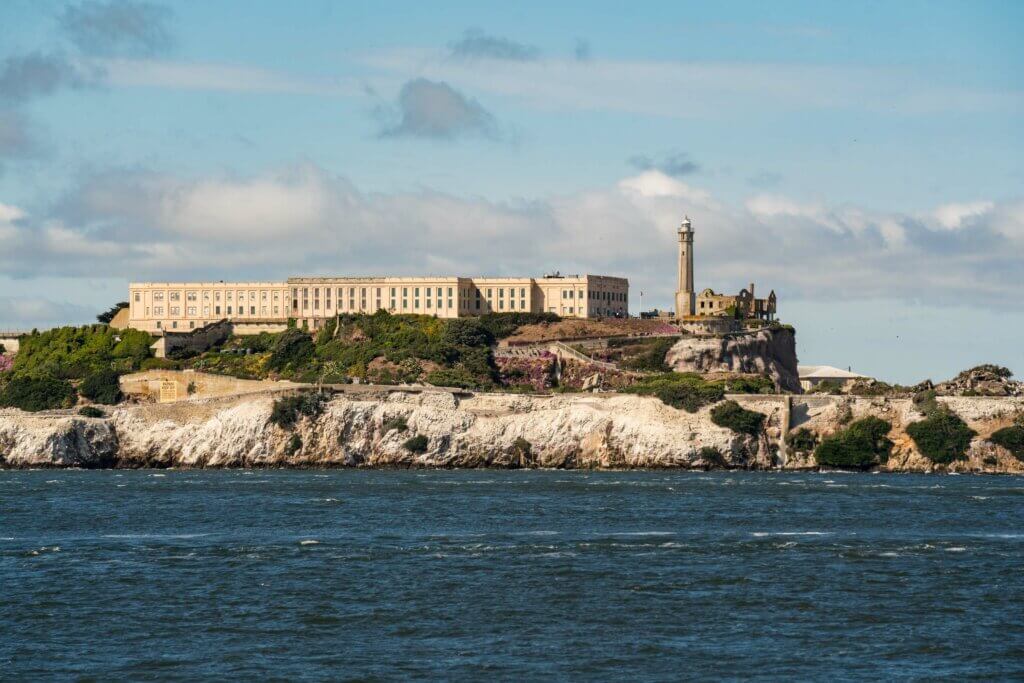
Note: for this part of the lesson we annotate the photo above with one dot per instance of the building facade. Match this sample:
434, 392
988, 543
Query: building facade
257, 306
743, 305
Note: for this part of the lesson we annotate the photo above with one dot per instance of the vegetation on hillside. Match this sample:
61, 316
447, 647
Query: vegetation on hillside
942, 436
732, 415
651, 356
862, 445
690, 391
42, 372
1011, 438
288, 410
37, 393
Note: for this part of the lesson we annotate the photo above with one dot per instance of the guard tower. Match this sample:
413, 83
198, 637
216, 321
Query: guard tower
685, 298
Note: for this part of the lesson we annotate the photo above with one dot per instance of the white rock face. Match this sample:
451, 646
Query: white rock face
485, 430
768, 351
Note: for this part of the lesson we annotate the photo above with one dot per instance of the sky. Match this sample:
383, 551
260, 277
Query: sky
864, 160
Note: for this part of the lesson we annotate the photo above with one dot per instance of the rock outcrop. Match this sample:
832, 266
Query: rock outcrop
769, 351
486, 430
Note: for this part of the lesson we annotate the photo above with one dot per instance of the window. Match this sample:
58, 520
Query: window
501, 305
378, 294
191, 310
175, 296
158, 310
276, 296
206, 296
488, 293
216, 310
158, 325
191, 296
416, 292
229, 310
174, 324
276, 310
522, 305
351, 304
216, 296
158, 296
351, 291
449, 292
405, 303
175, 310
191, 324
522, 292
417, 302
501, 292
392, 301
512, 304
263, 295
449, 303
228, 296
405, 292
137, 297
392, 291
428, 302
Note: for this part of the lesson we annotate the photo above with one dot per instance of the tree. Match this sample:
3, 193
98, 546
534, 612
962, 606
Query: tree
108, 315
101, 386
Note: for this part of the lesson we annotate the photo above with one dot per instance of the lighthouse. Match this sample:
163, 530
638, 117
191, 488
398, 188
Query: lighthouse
685, 300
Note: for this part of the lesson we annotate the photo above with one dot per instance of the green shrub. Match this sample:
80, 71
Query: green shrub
416, 444
91, 411
827, 386
942, 437
468, 332
75, 352
457, 377
37, 393
159, 364
293, 350
288, 410
862, 445
101, 386
396, 423
652, 359
680, 390
712, 455
802, 440
761, 384
503, 325
1010, 438
732, 415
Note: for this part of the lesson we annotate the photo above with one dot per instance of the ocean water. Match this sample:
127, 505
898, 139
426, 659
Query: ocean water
470, 575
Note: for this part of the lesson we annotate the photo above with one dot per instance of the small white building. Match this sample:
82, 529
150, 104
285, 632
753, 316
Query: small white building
813, 375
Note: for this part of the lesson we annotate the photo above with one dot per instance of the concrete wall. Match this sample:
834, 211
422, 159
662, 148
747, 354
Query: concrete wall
169, 386
12, 344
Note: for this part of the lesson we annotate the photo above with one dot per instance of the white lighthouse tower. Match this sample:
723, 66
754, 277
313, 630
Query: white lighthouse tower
685, 298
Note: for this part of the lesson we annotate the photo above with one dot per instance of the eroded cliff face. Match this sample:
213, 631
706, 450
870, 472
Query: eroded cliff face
768, 351
562, 431
484, 430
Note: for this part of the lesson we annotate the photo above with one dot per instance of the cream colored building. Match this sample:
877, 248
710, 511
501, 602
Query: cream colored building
258, 306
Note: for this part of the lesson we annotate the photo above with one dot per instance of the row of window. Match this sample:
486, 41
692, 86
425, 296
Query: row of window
193, 311
216, 296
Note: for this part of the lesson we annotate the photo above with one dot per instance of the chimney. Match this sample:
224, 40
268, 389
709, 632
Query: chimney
751, 290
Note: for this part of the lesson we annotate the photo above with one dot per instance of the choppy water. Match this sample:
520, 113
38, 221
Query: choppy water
509, 575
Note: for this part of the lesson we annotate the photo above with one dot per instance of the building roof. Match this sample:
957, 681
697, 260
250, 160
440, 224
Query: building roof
825, 372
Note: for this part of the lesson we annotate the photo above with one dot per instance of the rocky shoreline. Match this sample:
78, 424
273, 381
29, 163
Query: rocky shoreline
584, 431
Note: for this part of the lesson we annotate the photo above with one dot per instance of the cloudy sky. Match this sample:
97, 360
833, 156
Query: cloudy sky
862, 159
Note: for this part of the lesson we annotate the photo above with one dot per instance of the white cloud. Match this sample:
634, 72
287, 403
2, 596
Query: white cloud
952, 216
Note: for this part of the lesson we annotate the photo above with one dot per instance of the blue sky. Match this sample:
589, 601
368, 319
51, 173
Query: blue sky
863, 159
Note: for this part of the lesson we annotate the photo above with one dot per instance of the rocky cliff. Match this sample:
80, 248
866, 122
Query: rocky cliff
485, 430
767, 351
